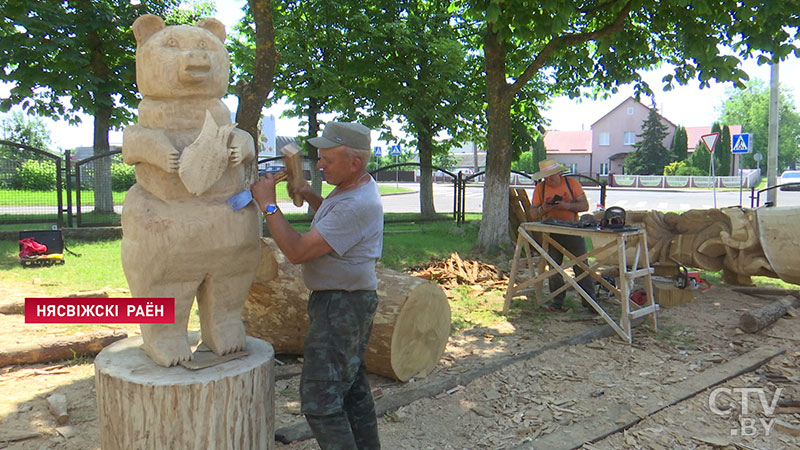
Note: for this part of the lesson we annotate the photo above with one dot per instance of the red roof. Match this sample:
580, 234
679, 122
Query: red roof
693, 134
568, 141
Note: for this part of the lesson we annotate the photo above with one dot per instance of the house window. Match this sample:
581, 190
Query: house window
630, 138
604, 138
572, 168
603, 168
630, 110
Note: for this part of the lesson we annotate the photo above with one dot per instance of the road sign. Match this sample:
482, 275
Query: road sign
740, 143
378, 151
710, 140
396, 150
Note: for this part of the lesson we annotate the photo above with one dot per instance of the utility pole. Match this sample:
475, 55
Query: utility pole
772, 138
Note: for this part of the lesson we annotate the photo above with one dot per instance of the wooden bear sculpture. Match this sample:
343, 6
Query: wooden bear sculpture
180, 237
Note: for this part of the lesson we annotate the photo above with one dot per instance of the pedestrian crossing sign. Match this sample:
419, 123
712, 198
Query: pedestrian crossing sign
740, 143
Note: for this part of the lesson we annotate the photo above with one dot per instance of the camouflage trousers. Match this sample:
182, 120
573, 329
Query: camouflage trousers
334, 392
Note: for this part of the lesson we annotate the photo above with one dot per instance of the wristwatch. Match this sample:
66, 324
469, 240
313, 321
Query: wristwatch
270, 209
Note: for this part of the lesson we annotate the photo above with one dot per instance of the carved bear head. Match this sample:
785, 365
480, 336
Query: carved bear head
181, 60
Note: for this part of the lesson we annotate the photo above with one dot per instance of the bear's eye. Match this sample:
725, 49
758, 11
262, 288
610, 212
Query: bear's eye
202, 44
172, 42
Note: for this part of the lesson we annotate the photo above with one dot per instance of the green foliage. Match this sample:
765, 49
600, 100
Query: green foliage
445, 160
76, 49
701, 158
650, 155
123, 176
524, 163
22, 129
36, 175
750, 108
681, 168
680, 144
722, 153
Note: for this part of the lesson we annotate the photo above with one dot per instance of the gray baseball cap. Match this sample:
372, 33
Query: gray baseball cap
350, 134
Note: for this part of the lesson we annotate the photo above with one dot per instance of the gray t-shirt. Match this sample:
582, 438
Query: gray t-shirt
352, 224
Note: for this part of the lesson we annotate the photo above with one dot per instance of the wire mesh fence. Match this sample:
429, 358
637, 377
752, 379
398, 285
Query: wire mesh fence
37, 187
30, 181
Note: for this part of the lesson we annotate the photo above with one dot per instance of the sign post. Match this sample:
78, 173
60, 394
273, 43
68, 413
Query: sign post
709, 140
740, 143
396, 153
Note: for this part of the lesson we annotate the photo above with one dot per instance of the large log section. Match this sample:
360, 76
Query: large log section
143, 406
409, 333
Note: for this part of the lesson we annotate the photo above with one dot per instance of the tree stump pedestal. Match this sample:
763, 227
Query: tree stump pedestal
143, 406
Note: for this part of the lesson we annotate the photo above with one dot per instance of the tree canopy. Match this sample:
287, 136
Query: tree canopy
561, 47
750, 108
23, 129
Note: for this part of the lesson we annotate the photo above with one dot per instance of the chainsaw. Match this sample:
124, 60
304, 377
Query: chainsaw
685, 279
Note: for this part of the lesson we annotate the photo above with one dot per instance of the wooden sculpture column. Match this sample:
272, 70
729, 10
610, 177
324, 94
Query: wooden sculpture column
144, 406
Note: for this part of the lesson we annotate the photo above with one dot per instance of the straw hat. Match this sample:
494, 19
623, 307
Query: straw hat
548, 167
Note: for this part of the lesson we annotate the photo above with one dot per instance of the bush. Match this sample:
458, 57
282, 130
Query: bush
35, 175
681, 168
123, 177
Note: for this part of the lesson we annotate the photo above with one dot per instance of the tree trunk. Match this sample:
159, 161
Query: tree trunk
409, 333
425, 148
103, 103
754, 321
253, 94
493, 234
311, 151
103, 198
144, 406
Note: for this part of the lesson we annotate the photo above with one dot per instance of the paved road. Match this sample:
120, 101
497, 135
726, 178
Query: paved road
639, 199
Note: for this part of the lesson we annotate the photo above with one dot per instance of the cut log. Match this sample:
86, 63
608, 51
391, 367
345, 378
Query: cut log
141, 405
409, 333
753, 321
57, 404
59, 349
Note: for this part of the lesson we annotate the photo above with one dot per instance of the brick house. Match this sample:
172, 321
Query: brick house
602, 150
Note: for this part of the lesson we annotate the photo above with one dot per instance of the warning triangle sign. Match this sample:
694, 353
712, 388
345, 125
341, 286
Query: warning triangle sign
740, 145
710, 140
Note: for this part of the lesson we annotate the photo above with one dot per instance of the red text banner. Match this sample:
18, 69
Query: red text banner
99, 310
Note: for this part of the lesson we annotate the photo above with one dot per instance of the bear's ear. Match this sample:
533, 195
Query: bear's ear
146, 26
214, 26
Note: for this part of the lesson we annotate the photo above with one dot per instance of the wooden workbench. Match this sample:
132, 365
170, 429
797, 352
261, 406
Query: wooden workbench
630, 247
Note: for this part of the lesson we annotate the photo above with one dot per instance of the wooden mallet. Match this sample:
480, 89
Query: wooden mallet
294, 168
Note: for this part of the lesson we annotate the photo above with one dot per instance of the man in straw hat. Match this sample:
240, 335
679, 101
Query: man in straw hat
561, 198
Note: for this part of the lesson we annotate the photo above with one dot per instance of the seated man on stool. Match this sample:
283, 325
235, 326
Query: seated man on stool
561, 198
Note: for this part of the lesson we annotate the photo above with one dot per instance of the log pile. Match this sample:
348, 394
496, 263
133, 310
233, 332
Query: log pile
454, 271
409, 333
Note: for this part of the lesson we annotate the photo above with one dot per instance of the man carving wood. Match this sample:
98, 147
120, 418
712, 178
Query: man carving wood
338, 255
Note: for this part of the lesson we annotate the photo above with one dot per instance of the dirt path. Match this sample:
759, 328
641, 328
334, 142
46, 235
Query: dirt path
561, 392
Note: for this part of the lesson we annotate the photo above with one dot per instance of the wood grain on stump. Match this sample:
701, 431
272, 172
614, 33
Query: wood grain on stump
143, 406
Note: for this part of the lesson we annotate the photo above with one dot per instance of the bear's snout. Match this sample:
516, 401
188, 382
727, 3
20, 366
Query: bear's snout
195, 67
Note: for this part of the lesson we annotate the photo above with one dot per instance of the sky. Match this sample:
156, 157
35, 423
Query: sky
685, 105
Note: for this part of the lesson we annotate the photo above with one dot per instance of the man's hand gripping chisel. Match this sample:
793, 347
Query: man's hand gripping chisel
242, 199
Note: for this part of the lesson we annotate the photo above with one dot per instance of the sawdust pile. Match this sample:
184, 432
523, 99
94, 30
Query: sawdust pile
455, 271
